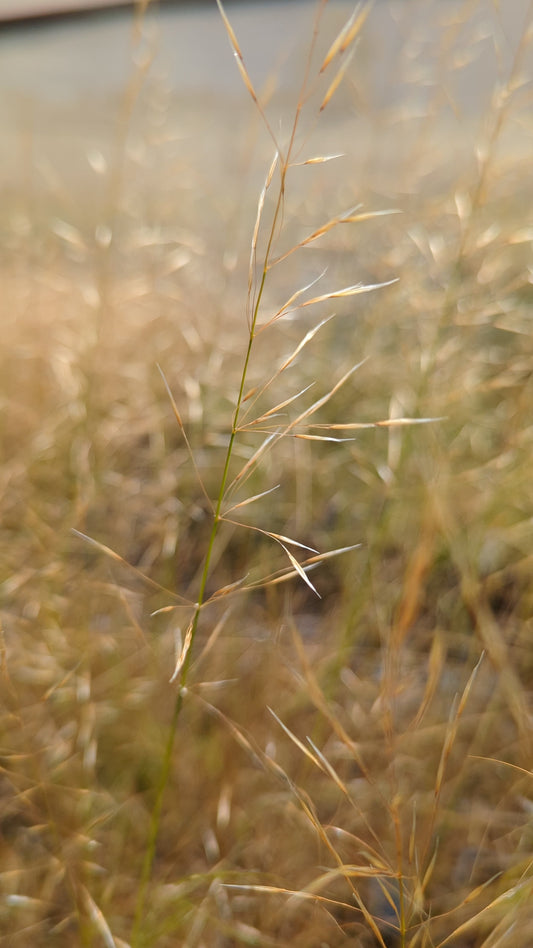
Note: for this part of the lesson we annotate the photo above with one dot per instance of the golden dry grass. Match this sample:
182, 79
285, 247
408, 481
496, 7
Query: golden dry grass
349, 769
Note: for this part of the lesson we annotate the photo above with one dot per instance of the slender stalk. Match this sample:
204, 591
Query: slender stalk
155, 818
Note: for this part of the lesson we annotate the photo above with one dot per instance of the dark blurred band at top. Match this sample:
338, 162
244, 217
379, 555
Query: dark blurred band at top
31, 11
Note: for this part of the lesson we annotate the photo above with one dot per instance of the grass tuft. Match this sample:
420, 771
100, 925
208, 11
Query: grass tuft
265, 512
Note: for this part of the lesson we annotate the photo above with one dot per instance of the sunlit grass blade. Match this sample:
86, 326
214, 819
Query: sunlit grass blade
328, 768
347, 217
384, 423
132, 569
317, 160
328, 438
251, 463
183, 652
355, 290
212, 638
504, 763
347, 35
299, 744
229, 589
288, 305
515, 894
323, 400
334, 85
301, 571
350, 217
256, 230
278, 537
257, 392
249, 500
97, 917
239, 59
275, 411
296, 894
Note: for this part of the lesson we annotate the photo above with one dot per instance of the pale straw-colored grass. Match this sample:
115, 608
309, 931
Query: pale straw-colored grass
266, 642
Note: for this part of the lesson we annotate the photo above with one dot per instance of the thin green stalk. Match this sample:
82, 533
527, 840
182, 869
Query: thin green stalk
155, 818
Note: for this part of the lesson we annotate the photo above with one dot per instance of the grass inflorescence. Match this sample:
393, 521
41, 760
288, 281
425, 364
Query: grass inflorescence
266, 509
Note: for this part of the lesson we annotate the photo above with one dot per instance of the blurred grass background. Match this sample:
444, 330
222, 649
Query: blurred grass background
124, 242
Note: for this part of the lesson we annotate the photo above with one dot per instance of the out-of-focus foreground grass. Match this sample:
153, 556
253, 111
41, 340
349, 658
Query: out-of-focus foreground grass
387, 801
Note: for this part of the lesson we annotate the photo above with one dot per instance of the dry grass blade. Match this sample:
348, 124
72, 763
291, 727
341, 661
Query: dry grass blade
239, 59
476, 892
290, 359
301, 746
278, 537
98, 920
329, 769
317, 697
494, 643
456, 713
133, 569
386, 423
275, 411
213, 638
363, 846
282, 576
287, 306
347, 217
296, 894
253, 253
323, 400
329, 554
391, 903
516, 894
430, 868
347, 35
164, 610
334, 85
230, 31
355, 28
468, 687
369, 215
247, 743
328, 438
275, 579
291, 542
347, 291
244, 76
184, 651
249, 500
309, 811
301, 571
418, 567
437, 657
252, 462
350, 871
317, 160
304, 895
229, 589
255, 234
504, 763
